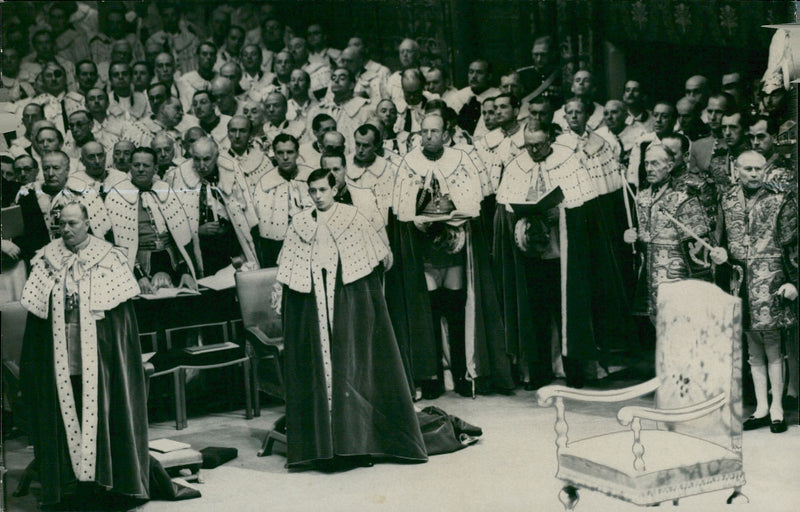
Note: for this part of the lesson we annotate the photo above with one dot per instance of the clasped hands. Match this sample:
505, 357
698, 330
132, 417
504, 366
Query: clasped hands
162, 280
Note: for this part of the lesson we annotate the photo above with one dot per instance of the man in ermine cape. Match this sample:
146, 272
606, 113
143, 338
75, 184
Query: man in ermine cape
442, 269
347, 398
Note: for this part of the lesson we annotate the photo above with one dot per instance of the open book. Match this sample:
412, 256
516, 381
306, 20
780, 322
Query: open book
168, 293
549, 200
222, 280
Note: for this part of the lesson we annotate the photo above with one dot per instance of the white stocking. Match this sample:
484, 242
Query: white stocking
759, 374
775, 369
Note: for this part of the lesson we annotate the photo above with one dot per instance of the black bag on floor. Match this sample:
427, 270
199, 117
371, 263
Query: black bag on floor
445, 433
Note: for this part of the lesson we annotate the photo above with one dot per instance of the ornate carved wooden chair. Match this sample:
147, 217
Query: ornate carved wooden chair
693, 440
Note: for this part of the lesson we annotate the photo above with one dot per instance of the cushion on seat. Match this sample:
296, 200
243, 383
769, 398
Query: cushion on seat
676, 465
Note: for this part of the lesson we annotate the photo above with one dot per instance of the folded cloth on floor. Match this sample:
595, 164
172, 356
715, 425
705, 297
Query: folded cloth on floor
445, 433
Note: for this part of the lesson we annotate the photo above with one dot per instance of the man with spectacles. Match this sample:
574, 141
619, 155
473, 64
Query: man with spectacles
526, 255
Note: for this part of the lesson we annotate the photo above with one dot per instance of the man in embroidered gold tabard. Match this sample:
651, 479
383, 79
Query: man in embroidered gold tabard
81, 370
759, 225
670, 252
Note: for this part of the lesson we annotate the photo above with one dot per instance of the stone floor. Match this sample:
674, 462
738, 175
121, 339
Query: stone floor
511, 468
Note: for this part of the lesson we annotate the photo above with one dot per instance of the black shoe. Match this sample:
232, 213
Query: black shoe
753, 423
432, 389
464, 388
778, 426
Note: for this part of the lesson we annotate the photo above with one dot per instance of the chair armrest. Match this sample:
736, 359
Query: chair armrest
547, 394
626, 415
254, 334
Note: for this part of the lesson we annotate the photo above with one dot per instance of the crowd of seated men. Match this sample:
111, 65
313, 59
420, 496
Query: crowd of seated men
190, 147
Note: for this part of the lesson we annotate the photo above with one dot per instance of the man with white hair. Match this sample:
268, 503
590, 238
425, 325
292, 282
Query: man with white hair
41, 204
408, 52
275, 107
759, 226
96, 175
217, 202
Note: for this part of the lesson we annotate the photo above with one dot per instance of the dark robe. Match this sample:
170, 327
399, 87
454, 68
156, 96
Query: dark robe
122, 463
409, 304
598, 320
530, 295
372, 411
36, 235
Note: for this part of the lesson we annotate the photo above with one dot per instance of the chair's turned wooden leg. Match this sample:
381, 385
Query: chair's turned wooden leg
181, 389
266, 445
248, 396
254, 387
737, 497
569, 497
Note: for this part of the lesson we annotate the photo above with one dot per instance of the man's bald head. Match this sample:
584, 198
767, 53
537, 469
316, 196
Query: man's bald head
409, 53
352, 58
221, 86
93, 157
697, 88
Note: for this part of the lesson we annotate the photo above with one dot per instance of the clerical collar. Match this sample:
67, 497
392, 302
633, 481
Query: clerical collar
78, 247
433, 155
117, 96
